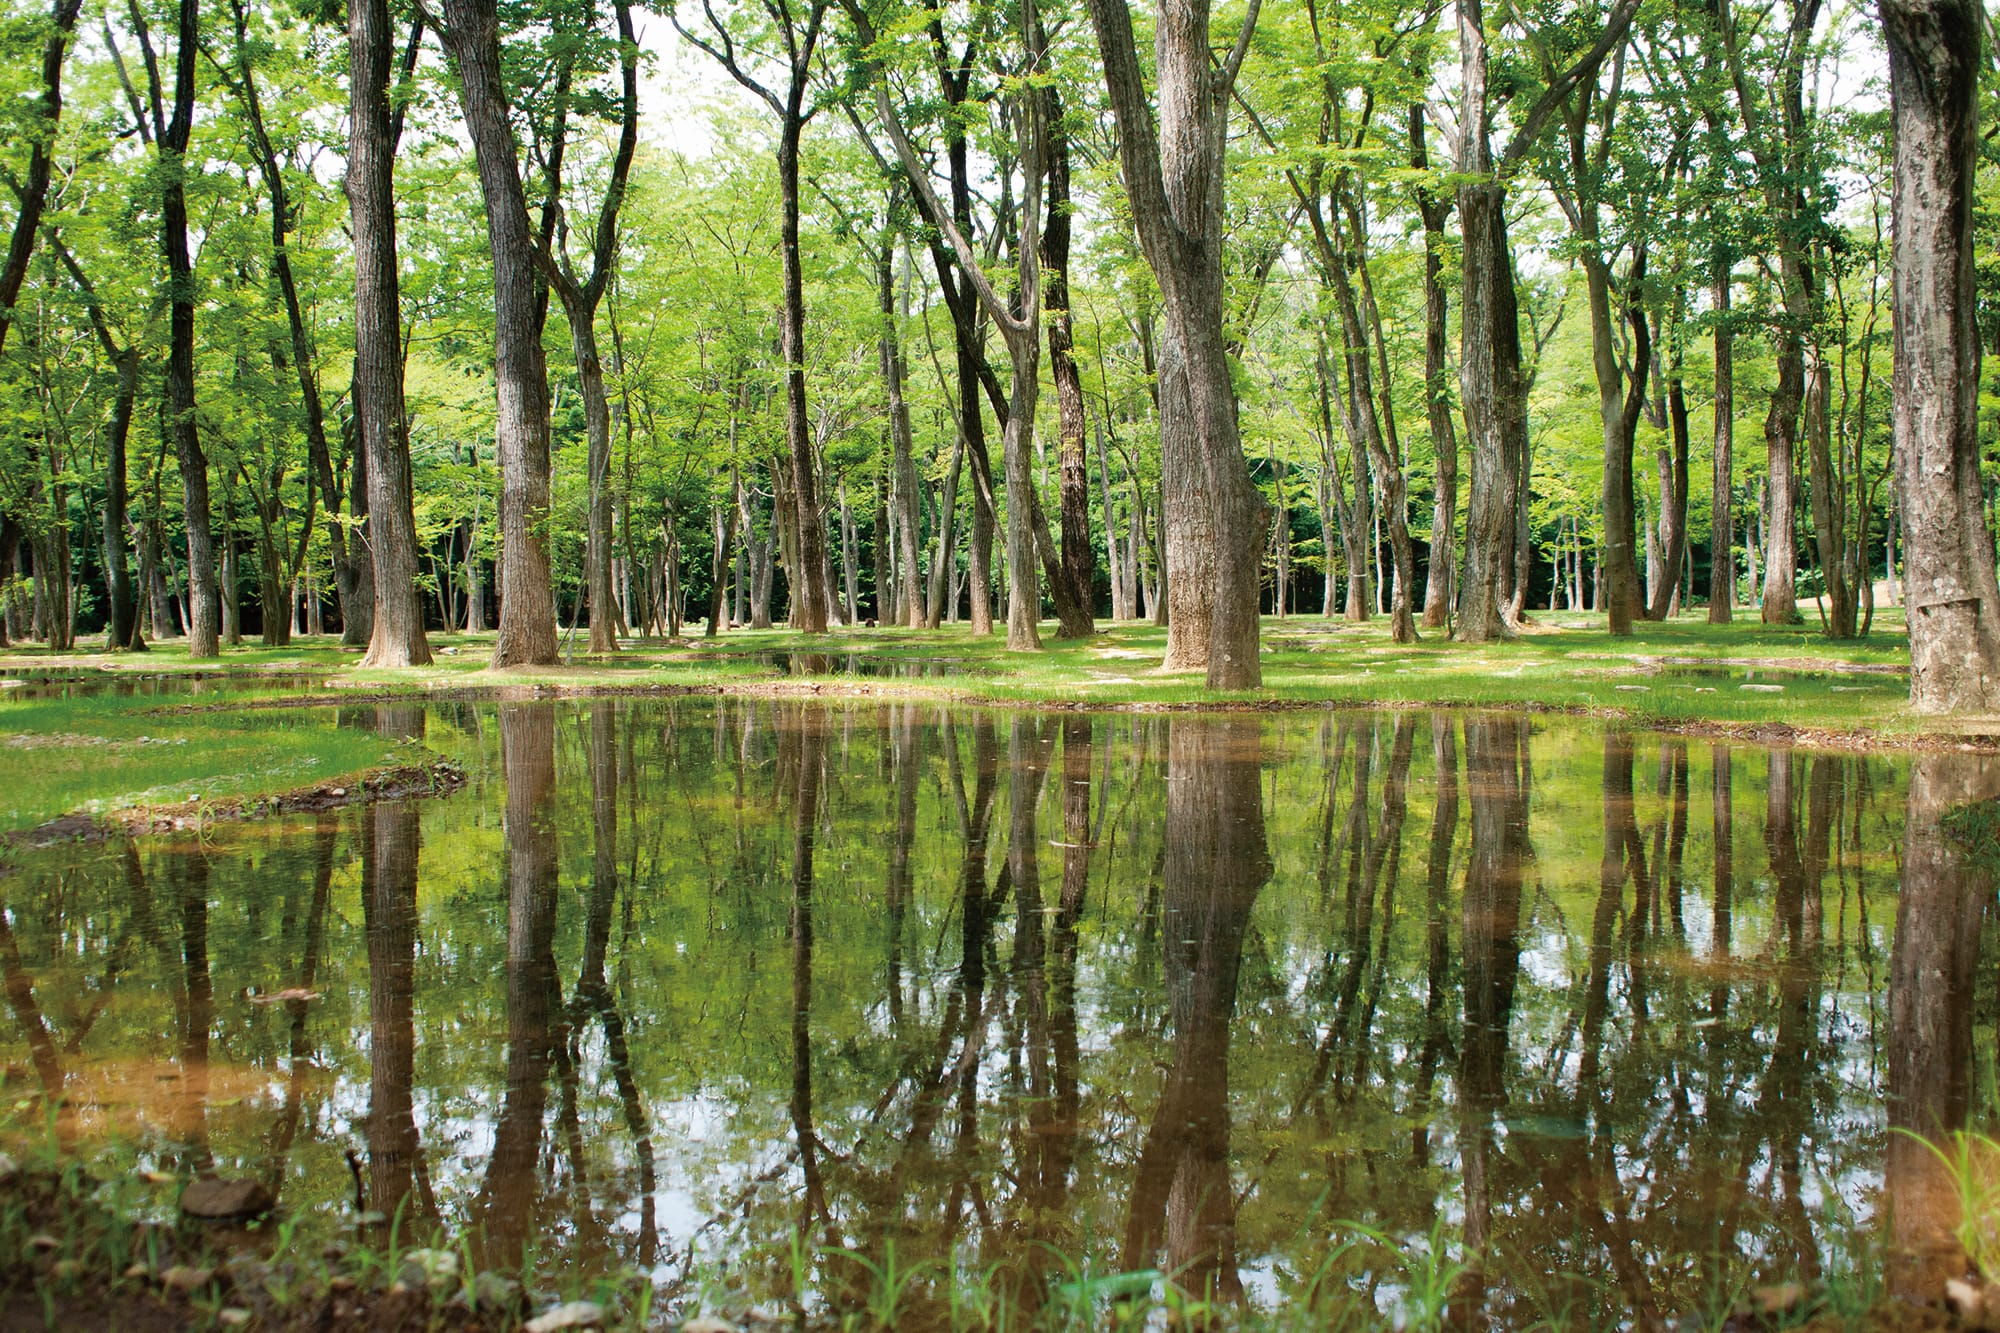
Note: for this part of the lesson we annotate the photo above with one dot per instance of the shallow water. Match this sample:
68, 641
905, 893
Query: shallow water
31, 683
1620, 1020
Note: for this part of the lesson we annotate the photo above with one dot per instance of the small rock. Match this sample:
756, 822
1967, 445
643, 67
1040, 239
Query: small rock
158, 1177
9, 1168
708, 1323
341, 1283
182, 1278
1637, 689
65, 1269
1756, 688
764, 1314
576, 1314
42, 1240
1776, 1300
337, 791
429, 1268
220, 1200
1965, 1299
138, 1271
492, 1292
233, 1317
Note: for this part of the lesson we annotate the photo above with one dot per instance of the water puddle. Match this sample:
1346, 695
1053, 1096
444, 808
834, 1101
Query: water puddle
1609, 1020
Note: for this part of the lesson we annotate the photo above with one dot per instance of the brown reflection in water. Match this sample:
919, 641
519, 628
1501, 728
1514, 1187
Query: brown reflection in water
390, 841
1498, 781
594, 994
1931, 984
506, 1207
802, 753
187, 1117
1216, 862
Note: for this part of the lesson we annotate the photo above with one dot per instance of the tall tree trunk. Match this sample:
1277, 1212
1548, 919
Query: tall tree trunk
1722, 482
527, 600
1673, 478
908, 599
1079, 564
1215, 518
937, 599
396, 632
1953, 601
204, 602
1489, 373
1435, 211
808, 575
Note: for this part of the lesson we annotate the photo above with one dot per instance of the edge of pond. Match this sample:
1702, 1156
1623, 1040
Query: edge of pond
1852, 739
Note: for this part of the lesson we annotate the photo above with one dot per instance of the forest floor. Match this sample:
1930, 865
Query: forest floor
254, 729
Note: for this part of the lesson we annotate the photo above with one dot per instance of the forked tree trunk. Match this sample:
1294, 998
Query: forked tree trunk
1953, 601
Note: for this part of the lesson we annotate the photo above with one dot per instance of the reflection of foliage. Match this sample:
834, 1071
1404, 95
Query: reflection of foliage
1976, 827
983, 1086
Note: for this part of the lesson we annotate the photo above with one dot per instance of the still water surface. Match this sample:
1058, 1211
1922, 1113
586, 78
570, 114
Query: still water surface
1620, 1020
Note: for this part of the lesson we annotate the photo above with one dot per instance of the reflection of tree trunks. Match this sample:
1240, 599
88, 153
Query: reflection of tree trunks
903, 749
806, 732
20, 988
389, 846
1216, 862
1722, 913
300, 1062
1931, 986
1042, 1172
1796, 869
1497, 782
1437, 930
188, 1125
593, 992
507, 1197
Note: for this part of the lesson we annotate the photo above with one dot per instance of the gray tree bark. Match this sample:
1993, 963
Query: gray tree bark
1953, 601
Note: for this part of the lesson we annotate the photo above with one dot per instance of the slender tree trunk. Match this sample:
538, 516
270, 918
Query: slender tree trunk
1079, 569
1954, 603
1673, 478
939, 597
204, 602
1722, 505
1435, 211
33, 189
808, 574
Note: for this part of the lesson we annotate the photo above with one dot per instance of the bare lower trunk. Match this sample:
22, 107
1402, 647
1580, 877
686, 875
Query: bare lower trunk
1489, 374
1722, 482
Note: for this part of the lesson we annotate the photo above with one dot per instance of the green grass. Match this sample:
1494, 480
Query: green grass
102, 753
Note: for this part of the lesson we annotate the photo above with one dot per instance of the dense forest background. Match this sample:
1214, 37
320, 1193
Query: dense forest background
850, 313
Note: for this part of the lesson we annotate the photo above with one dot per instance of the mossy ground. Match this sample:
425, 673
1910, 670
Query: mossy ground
100, 753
